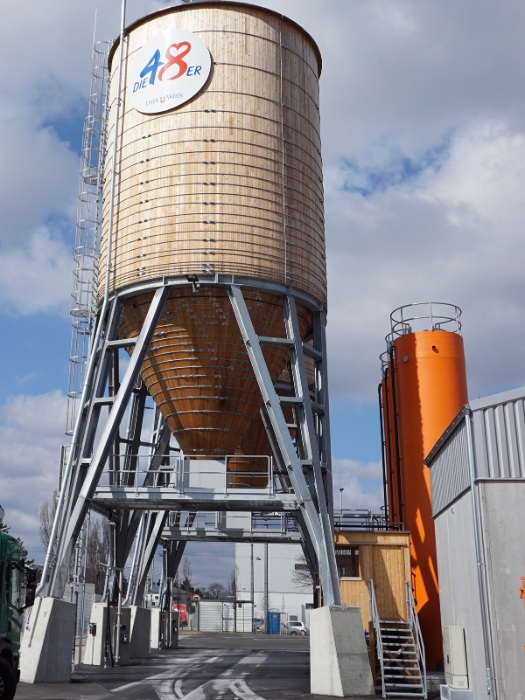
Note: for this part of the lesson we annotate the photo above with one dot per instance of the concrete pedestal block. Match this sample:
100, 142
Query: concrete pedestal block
155, 628
45, 651
448, 693
339, 660
140, 632
95, 649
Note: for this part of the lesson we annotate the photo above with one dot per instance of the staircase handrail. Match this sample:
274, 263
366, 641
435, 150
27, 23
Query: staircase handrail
413, 620
374, 614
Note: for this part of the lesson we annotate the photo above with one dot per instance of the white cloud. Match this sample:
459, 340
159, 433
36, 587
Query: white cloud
449, 235
31, 435
361, 483
36, 276
39, 180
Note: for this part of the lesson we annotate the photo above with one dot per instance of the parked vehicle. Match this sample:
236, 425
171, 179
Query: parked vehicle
183, 613
258, 624
17, 592
295, 627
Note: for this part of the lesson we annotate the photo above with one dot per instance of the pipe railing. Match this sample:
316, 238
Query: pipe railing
374, 614
413, 620
188, 476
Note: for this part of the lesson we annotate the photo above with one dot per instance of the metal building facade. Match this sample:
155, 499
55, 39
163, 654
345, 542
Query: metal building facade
478, 495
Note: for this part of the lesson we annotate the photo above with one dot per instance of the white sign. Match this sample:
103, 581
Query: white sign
168, 71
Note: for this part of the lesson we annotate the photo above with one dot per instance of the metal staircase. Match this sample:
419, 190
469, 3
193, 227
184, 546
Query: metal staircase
400, 651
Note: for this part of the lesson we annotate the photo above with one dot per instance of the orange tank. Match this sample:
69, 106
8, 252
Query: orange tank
422, 395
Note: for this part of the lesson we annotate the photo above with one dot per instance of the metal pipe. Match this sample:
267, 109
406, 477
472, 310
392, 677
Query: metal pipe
397, 465
115, 151
252, 578
383, 452
485, 622
119, 616
266, 630
83, 605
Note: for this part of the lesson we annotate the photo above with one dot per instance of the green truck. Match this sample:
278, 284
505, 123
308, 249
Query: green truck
17, 592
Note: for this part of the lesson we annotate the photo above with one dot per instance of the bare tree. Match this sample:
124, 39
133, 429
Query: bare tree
233, 584
301, 575
96, 546
187, 576
217, 590
97, 553
47, 515
233, 588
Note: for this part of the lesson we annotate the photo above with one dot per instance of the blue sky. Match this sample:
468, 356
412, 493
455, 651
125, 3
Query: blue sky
423, 127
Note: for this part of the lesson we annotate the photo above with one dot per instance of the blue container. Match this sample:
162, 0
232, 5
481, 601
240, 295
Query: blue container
274, 623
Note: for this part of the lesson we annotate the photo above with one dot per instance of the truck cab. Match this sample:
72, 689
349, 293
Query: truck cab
17, 592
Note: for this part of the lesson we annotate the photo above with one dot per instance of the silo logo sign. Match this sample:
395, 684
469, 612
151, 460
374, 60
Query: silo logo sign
168, 71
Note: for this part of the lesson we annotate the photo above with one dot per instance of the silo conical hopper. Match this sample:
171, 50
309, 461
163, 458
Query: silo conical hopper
424, 387
224, 186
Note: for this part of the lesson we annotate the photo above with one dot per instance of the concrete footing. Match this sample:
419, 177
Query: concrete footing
339, 660
95, 653
139, 640
45, 650
448, 693
155, 628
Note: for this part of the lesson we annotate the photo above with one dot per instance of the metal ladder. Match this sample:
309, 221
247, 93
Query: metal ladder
400, 652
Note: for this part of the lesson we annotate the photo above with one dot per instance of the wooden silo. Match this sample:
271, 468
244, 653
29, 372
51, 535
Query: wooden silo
226, 185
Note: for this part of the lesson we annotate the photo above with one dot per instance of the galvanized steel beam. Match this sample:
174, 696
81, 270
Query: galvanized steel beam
312, 510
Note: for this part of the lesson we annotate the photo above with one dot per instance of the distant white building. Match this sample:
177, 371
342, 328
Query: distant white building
280, 561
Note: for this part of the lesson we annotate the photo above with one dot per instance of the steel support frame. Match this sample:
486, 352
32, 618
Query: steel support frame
305, 474
86, 475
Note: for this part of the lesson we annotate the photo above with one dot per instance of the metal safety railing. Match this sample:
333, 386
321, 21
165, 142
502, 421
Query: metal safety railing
87, 240
413, 621
427, 315
374, 615
188, 522
220, 475
362, 519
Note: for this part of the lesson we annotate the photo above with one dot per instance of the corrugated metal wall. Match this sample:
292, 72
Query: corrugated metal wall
498, 433
499, 439
210, 616
449, 473
223, 616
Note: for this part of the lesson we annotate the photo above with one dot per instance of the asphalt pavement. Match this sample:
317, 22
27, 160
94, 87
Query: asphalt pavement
205, 666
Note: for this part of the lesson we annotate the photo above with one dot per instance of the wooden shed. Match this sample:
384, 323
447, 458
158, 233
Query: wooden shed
381, 556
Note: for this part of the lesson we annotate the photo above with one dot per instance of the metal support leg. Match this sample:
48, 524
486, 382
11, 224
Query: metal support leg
309, 434
96, 465
156, 525
315, 521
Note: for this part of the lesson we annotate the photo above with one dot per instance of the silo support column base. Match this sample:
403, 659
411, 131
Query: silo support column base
339, 662
45, 650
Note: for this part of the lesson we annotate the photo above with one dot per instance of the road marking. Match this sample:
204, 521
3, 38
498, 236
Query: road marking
223, 683
168, 685
243, 692
186, 667
165, 690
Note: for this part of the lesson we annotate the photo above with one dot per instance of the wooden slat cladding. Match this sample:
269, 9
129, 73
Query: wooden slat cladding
230, 182
198, 372
384, 557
